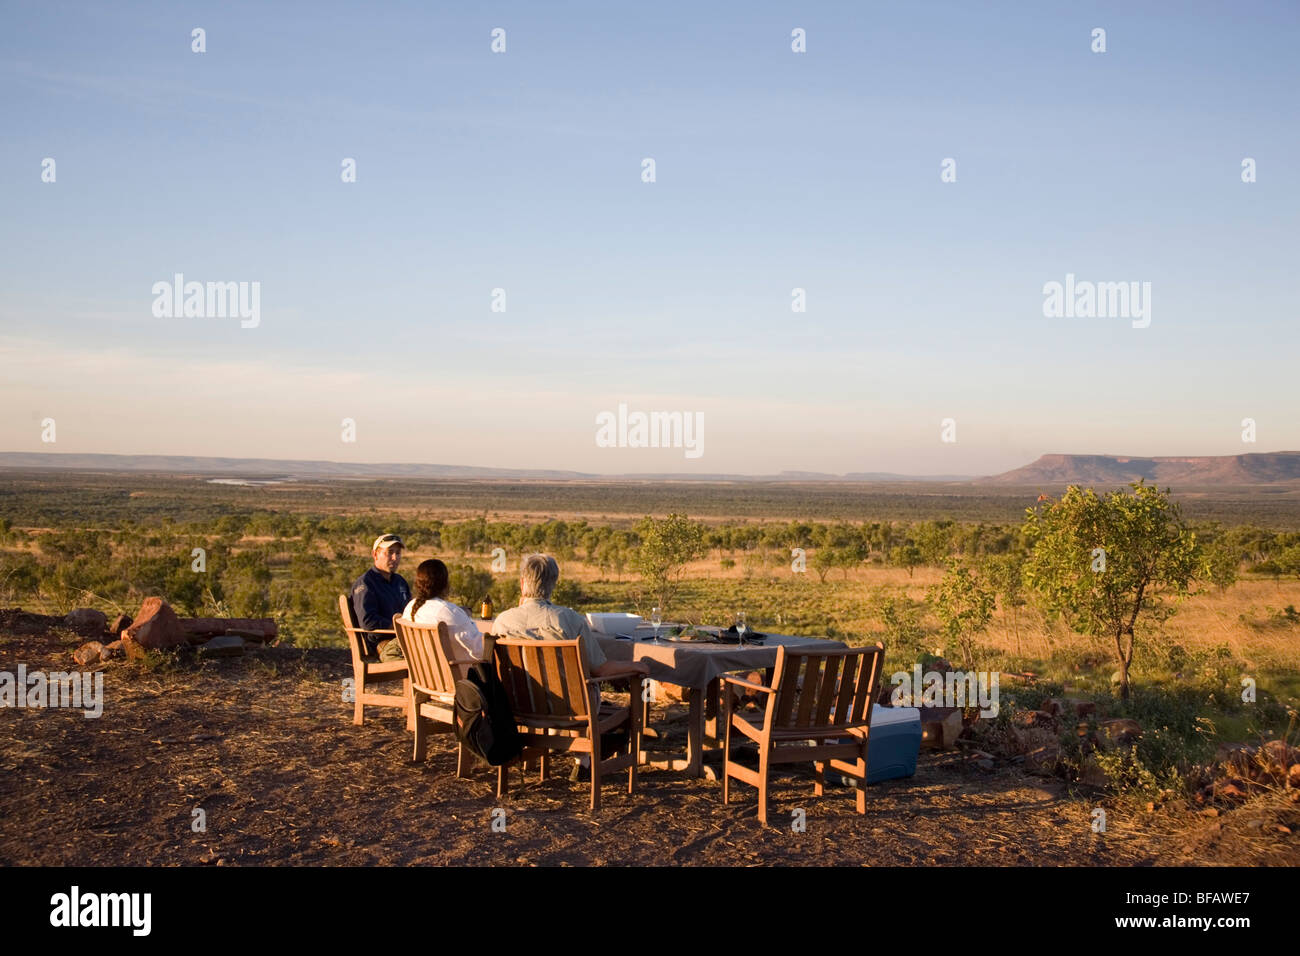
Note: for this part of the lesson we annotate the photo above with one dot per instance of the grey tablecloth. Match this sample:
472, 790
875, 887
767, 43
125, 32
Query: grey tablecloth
694, 665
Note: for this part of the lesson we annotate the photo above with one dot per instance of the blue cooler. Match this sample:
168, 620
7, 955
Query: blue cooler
895, 742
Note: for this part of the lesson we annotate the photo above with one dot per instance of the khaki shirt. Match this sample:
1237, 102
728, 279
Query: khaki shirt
542, 621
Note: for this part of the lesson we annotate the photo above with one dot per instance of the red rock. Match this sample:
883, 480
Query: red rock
132, 650
156, 626
120, 624
1230, 791
89, 653
1072, 706
1042, 761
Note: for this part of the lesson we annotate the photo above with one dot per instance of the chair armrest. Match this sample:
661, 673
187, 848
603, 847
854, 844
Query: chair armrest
467, 661
741, 682
362, 630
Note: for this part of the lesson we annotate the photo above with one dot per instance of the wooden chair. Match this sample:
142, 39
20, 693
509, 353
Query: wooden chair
552, 695
818, 708
436, 663
368, 667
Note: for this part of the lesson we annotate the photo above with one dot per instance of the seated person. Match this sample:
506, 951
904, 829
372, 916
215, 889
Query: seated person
430, 606
379, 594
538, 618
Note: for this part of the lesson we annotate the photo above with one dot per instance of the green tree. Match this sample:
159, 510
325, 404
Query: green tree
667, 546
1221, 562
906, 556
1101, 562
1005, 575
823, 559
964, 606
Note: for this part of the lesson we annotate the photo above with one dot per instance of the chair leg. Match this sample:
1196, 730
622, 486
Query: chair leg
421, 741
503, 780
460, 760
358, 708
633, 751
762, 784
543, 767
860, 783
410, 708
726, 753
819, 785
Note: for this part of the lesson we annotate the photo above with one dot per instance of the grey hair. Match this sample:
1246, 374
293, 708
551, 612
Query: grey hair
538, 574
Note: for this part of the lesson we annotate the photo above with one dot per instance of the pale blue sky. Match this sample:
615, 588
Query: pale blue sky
775, 170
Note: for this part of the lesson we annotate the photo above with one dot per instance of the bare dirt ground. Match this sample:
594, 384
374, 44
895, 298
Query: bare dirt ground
265, 747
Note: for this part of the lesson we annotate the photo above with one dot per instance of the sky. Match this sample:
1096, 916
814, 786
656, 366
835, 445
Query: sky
774, 170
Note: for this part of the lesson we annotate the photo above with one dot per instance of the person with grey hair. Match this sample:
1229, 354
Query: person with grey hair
536, 617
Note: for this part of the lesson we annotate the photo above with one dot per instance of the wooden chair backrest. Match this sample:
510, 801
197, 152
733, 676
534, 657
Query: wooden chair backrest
350, 626
825, 690
429, 651
545, 680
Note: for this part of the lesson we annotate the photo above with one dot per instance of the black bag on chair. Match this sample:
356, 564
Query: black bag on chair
485, 723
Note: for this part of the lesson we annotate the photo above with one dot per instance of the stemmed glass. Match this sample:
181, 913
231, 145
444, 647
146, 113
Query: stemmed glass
656, 619
741, 627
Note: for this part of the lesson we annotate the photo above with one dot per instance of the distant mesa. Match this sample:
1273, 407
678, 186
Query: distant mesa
1260, 468
1263, 468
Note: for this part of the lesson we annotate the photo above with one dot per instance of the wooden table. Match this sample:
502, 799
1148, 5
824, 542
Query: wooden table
697, 668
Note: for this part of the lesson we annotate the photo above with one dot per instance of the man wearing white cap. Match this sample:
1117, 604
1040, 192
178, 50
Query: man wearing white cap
379, 594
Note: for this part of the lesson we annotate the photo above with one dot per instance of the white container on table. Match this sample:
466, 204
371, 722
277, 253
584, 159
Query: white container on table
613, 624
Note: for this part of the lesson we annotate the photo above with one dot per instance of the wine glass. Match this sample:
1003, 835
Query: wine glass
741, 627
656, 619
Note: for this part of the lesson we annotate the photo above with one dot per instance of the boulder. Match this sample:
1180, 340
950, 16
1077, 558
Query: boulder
1069, 707
132, 650
1233, 790
1091, 774
1042, 761
113, 651
226, 645
92, 652
120, 624
260, 629
940, 727
156, 627
86, 620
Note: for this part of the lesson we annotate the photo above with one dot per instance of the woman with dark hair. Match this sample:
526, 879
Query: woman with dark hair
430, 606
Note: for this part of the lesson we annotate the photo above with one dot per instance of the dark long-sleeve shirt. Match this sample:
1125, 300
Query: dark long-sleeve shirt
375, 599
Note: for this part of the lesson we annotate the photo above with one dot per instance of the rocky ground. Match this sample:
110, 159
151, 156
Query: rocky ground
263, 747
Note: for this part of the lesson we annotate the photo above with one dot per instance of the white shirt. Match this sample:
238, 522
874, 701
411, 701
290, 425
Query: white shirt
462, 630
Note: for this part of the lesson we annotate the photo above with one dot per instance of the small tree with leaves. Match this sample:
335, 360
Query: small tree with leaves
908, 556
667, 546
964, 605
1101, 562
1005, 575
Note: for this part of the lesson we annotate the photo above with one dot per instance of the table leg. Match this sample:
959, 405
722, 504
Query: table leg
695, 733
